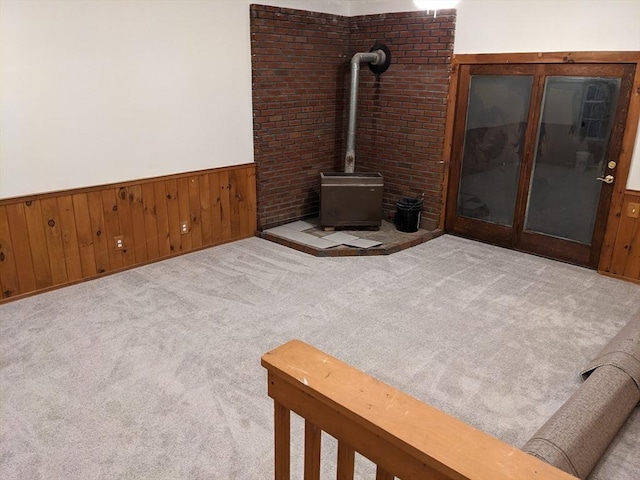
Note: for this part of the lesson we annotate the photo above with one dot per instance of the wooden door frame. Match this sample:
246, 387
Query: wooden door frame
628, 137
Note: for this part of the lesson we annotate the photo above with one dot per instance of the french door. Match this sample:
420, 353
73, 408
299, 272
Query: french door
534, 155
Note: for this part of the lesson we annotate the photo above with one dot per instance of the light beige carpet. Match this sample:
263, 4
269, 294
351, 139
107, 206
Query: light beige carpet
155, 373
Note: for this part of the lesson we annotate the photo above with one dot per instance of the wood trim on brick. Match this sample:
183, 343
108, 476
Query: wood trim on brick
61, 238
448, 139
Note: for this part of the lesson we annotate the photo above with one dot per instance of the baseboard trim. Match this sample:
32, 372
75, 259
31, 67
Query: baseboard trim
619, 277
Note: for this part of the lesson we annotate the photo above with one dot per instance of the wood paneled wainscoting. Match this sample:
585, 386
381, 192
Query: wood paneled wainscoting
622, 257
56, 239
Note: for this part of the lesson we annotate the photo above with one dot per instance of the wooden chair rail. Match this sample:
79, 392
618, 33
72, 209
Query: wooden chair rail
404, 437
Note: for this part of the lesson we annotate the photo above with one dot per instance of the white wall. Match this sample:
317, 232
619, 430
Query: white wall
506, 26
100, 91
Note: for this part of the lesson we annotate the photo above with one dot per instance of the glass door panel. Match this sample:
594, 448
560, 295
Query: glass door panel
534, 155
497, 111
572, 144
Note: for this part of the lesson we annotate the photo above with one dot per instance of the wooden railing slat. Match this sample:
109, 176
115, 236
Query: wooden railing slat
312, 439
406, 465
282, 427
382, 474
346, 461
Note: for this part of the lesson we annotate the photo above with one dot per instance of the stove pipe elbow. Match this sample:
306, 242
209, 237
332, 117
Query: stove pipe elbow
380, 58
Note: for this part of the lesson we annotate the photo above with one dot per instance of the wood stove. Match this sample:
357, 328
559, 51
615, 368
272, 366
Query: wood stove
351, 199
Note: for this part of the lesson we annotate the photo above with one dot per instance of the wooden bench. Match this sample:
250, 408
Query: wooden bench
404, 437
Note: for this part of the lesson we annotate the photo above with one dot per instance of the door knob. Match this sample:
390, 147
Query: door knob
607, 179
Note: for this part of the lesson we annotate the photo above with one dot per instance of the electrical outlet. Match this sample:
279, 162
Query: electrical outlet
119, 242
184, 227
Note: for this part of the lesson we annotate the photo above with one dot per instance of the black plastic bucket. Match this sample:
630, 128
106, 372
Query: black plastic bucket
408, 214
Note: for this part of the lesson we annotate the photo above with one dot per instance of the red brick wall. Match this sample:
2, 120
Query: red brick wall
401, 114
300, 63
